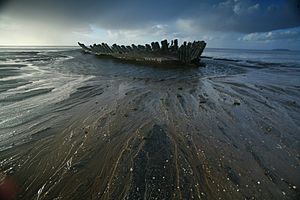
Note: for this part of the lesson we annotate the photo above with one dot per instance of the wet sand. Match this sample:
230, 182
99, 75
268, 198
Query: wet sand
231, 136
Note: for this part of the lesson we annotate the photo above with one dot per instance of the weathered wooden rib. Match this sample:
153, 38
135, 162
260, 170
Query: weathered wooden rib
187, 54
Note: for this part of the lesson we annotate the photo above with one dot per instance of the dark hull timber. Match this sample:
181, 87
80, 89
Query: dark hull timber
156, 54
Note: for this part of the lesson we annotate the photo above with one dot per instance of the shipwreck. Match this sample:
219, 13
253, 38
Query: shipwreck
187, 54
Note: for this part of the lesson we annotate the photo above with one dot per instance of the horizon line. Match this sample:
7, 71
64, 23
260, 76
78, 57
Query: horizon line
1, 46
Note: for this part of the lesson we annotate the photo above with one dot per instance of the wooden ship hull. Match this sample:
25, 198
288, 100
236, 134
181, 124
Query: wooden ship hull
164, 54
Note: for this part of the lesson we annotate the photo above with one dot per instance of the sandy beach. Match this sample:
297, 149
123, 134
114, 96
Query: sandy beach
229, 130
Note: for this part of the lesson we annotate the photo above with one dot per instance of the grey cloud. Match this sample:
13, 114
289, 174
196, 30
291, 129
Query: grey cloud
290, 34
245, 16
251, 16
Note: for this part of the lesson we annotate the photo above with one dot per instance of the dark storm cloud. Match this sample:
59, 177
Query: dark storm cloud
2, 3
245, 16
255, 16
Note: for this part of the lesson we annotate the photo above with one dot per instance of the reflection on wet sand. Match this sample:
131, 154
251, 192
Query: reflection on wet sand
218, 137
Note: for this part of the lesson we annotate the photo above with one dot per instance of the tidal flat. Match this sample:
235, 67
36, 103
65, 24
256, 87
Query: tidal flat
76, 127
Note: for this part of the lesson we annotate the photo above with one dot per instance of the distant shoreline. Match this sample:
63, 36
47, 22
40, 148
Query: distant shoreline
210, 48
280, 50
12, 46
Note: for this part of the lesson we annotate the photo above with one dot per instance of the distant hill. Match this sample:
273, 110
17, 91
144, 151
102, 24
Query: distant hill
281, 50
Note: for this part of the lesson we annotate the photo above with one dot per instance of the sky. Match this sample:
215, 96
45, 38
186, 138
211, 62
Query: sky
248, 24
